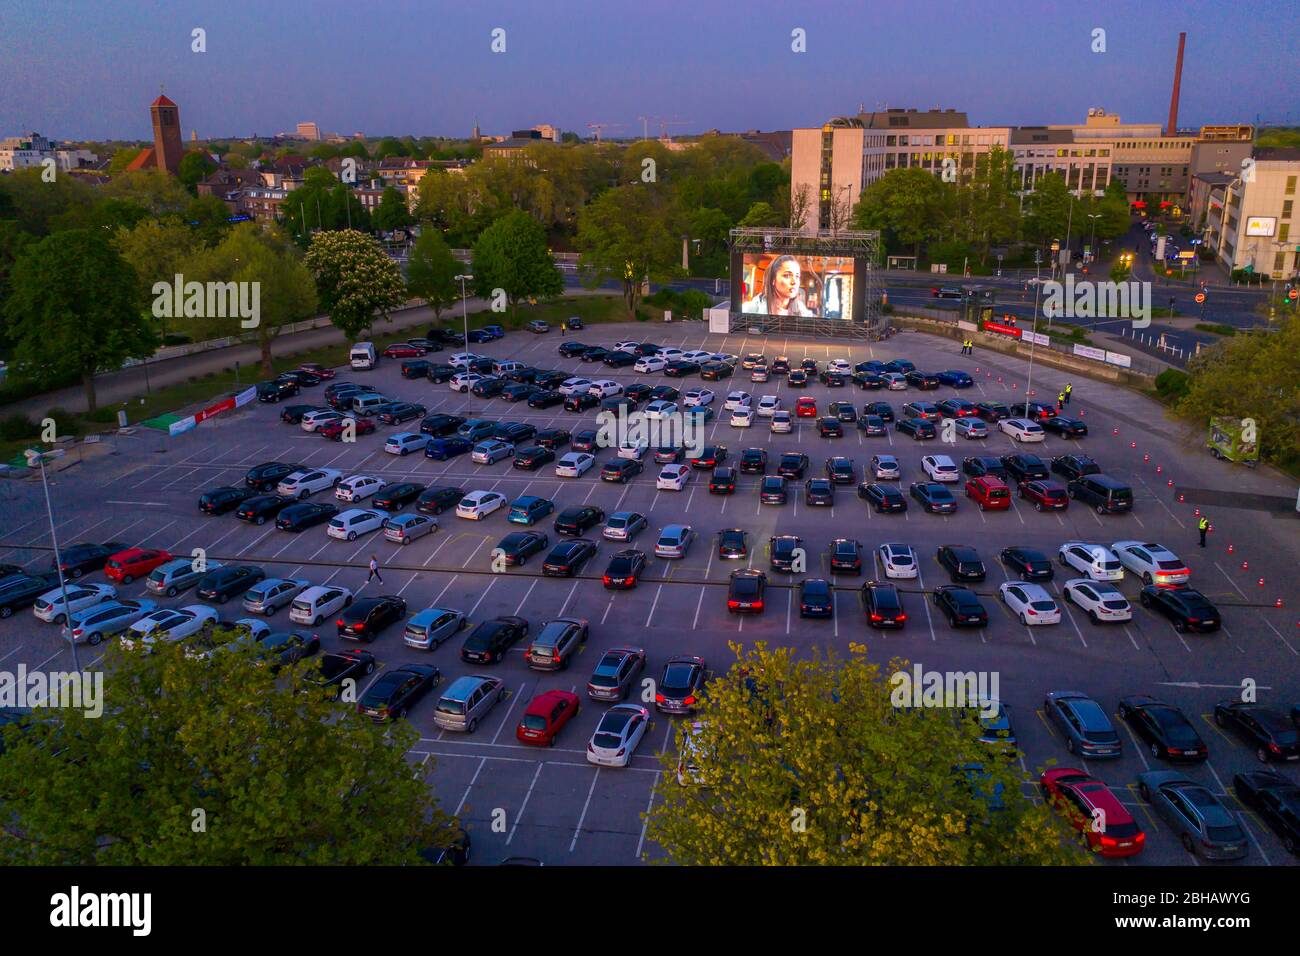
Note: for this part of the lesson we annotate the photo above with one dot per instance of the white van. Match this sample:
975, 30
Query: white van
316, 604
368, 402
363, 355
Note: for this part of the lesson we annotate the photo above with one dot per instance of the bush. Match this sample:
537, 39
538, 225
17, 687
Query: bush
1172, 384
65, 422
1216, 328
642, 316
176, 339
17, 428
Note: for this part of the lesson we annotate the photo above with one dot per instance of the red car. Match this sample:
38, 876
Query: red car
1046, 495
545, 715
125, 566
989, 492
316, 369
334, 430
1093, 809
404, 350
806, 408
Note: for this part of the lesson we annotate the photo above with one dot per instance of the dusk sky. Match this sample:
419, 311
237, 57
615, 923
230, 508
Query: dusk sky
80, 70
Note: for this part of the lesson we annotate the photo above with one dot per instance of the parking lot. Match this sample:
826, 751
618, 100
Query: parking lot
560, 809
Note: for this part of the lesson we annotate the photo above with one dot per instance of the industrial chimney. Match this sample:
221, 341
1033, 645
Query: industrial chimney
1172, 128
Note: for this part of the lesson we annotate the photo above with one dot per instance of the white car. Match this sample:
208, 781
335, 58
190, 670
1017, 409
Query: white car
635, 452
768, 406
574, 465
51, 608
1030, 603
463, 381
727, 358
898, 560
970, 428
649, 365
605, 388
737, 400
403, 443
698, 396
270, 594
571, 386
1022, 429
617, 735
463, 358
318, 604
314, 420
760, 374
169, 624
1153, 563
940, 468
670, 354
307, 481
742, 417
347, 525
839, 365
626, 346
782, 422
660, 409
697, 355
491, 451
358, 487
1094, 560
895, 381
477, 505
1102, 601
673, 478
691, 761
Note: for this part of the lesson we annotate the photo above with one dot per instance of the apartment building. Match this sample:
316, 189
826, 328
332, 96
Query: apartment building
1250, 218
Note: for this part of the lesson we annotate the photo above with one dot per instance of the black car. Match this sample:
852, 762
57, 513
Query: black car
918, 428
710, 457
489, 387
620, 359
22, 590
1270, 732
619, 404
830, 428
934, 497
1069, 427
882, 604
568, 557
868, 380
819, 492
846, 556
580, 402
333, 669
434, 501
840, 470
664, 393
883, 410
550, 379
753, 461
489, 642
979, 466
1167, 732
716, 371
300, 376
514, 432
263, 508
221, 584
845, 412
960, 606
745, 591
833, 379
572, 522
1030, 564
519, 392
546, 398
681, 368
533, 457
669, 454
282, 648
884, 498
624, 569
552, 438
416, 368
393, 693
784, 551
266, 476
680, 686
520, 376
638, 391
1074, 466
447, 336
1187, 608
83, 558
780, 366
397, 496
595, 354
440, 372
276, 390
584, 440
992, 412
962, 562
1276, 800
722, 481
792, 465
292, 414
797, 378
733, 544
366, 617
428, 344
1025, 467
772, 490
220, 500
922, 380
440, 426
518, 546
815, 598
570, 349
304, 514
621, 469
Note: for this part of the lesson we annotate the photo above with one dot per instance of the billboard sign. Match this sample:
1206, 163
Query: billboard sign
1260, 225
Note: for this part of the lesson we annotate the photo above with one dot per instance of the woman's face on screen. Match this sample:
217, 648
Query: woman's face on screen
786, 282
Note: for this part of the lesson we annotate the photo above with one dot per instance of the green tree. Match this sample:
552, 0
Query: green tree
1114, 209
268, 771
153, 189
988, 211
156, 250
1047, 209
105, 213
391, 146
208, 216
39, 206
762, 214
624, 236
356, 283
511, 255
431, 271
909, 205
810, 762
74, 308
123, 158
13, 242
195, 166
392, 212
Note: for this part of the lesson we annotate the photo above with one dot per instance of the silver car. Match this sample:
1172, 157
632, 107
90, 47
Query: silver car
430, 627
1203, 824
884, 466
405, 528
177, 575
467, 701
268, 596
94, 624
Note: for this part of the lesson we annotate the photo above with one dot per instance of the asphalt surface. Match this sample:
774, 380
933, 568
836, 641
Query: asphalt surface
556, 807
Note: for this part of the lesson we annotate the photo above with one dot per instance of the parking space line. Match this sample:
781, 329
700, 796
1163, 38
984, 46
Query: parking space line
524, 804
577, 830
477, 771
646, 822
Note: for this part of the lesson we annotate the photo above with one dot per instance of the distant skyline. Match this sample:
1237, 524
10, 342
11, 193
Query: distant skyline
81, 70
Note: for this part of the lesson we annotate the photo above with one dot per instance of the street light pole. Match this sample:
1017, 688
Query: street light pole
58, 564
464, 309
1033, 331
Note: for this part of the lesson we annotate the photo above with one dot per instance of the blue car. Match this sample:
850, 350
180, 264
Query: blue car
441, 449
529, 509
956, 378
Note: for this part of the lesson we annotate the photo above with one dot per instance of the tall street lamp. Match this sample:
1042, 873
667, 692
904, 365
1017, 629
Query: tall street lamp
464, 309
58, 563
1092, 233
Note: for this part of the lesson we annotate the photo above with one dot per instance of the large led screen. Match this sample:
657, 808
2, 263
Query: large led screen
816, 287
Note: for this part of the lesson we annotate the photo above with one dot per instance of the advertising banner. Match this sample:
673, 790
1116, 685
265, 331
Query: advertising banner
214, 410
968, 326
1116, 358
246, 396
1011, 330
1036, 337
1087, 351
184, 425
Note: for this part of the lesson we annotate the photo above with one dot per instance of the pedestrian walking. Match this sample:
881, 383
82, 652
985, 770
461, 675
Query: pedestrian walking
1203, 526
1060, 401
1069, 387
374, 571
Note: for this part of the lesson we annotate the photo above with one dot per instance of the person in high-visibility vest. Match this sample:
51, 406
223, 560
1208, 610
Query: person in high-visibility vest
1203, 526
1060, 401
1068, 389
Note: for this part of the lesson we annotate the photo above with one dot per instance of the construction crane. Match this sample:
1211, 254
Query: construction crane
599, 126
664, 123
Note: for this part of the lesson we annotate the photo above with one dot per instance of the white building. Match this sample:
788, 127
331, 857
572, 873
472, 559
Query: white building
32, 149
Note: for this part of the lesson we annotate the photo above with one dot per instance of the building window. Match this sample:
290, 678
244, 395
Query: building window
1290, 185
1279, 262
891, 140
1284, 232
1286, 209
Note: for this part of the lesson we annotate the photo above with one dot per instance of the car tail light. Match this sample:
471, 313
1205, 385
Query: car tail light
900, 617
77, 632
607, 580
691, 700
340, 623
1031, 612
1193, 620
659, 698
1274, 748
876, 617
733, 604
621, 751
629, 581
757, 605
590, 748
